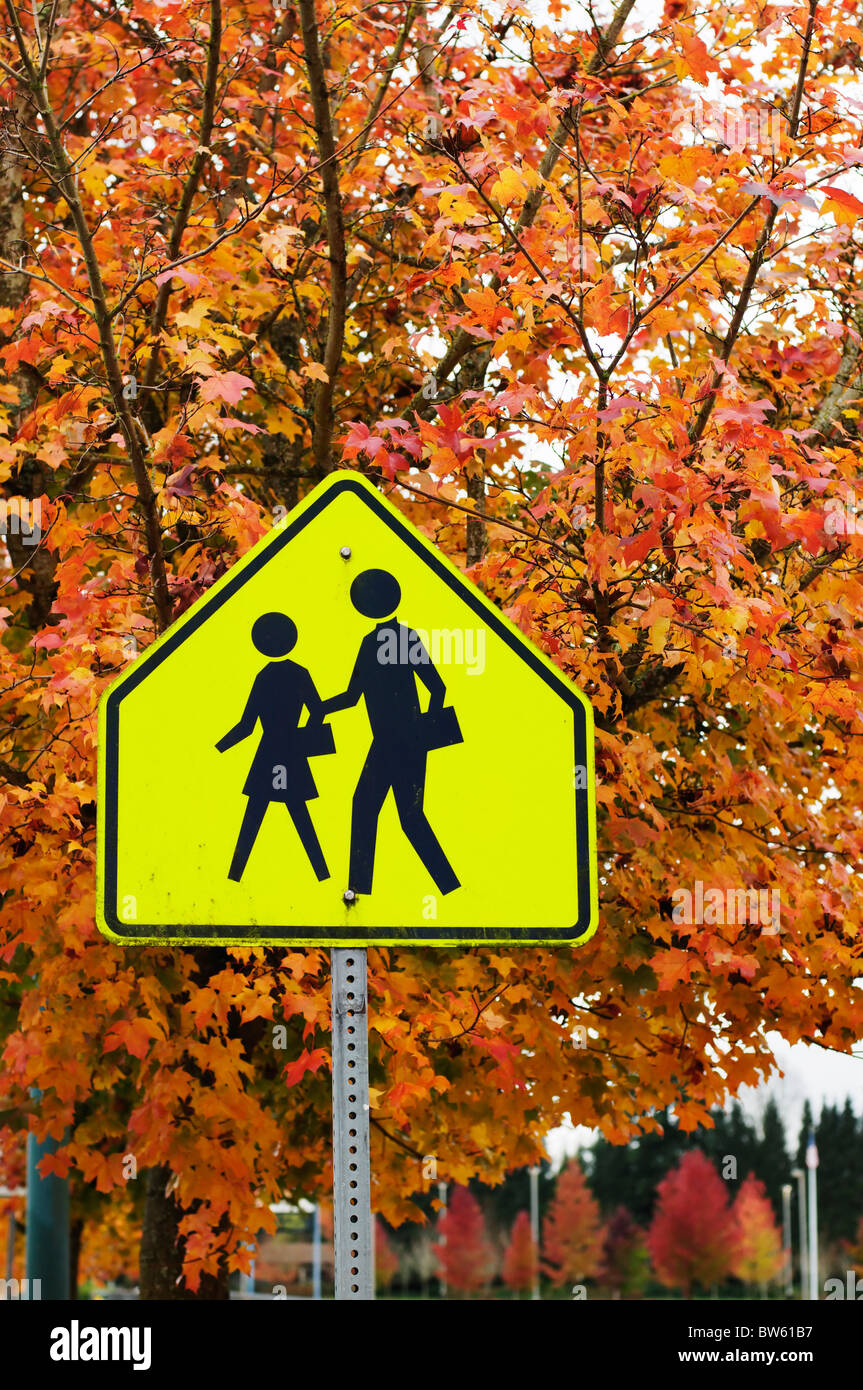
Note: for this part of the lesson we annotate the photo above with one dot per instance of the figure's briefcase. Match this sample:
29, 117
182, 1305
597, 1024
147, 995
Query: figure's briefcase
440, 728
315, 740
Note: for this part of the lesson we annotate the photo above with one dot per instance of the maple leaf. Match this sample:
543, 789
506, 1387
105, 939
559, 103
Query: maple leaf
182, 272
618, 405
744, 413
135, 1035
778, 196
307, 1061
843, 205
224, 386
227, 422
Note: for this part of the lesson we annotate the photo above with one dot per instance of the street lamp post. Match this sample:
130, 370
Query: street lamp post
812, 1166
786, 1238
534, 1225
800, 1175
442, 1196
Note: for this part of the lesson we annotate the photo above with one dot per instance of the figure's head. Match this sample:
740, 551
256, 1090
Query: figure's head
274, 634
375, 593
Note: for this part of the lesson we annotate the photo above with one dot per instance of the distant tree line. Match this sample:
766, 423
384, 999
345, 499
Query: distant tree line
671, 1210
630, 1174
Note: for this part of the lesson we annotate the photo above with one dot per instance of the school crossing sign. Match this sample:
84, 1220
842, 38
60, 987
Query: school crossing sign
344, 742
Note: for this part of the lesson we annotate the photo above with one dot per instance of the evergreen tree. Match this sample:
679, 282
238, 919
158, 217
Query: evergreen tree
807, 1124
630, 1175
836, 1137
742, 1139
728, 1145
772, 1164
851, 1142
503, 1202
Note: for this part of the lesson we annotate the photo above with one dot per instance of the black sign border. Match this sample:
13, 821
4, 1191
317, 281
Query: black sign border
251, 936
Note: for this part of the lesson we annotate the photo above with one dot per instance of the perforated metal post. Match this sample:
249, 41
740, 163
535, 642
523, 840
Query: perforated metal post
352, 1220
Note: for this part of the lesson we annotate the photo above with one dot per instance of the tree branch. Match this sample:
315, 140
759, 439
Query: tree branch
698, 428
464, 341
190, 188
323, 417
68, 186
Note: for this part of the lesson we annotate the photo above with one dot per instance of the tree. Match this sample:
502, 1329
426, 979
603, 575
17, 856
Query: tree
572, 1233
693, 1235
840, 1186
222, 263
520, 1258
772, 1163
759, 1256
631, 1174
850, 1140
503, 1201
465, 1255
625, 1264
807, 1128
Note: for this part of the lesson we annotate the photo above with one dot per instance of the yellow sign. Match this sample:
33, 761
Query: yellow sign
344, 742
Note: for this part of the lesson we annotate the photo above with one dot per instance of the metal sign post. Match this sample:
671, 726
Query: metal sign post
352, 1218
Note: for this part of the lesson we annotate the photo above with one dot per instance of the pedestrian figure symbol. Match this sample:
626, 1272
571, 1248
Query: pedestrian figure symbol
402, 733
280, 770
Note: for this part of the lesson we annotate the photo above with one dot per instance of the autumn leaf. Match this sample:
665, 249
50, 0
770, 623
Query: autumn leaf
843, 205
224, 386
307, 1061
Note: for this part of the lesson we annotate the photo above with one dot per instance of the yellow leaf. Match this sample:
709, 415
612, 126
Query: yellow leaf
508, 185
659, 635
194, 317
844, 216
455, 207
59, 369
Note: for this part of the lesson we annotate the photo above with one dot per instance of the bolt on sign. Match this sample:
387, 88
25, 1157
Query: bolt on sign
344, 742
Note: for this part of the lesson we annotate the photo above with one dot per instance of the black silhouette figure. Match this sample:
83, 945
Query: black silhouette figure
390, 660
280, 770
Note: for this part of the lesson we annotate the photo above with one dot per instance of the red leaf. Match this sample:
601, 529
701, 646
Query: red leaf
307, 1061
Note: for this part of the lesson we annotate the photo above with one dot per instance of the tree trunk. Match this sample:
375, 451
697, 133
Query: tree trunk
161, 1275
76, 1232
